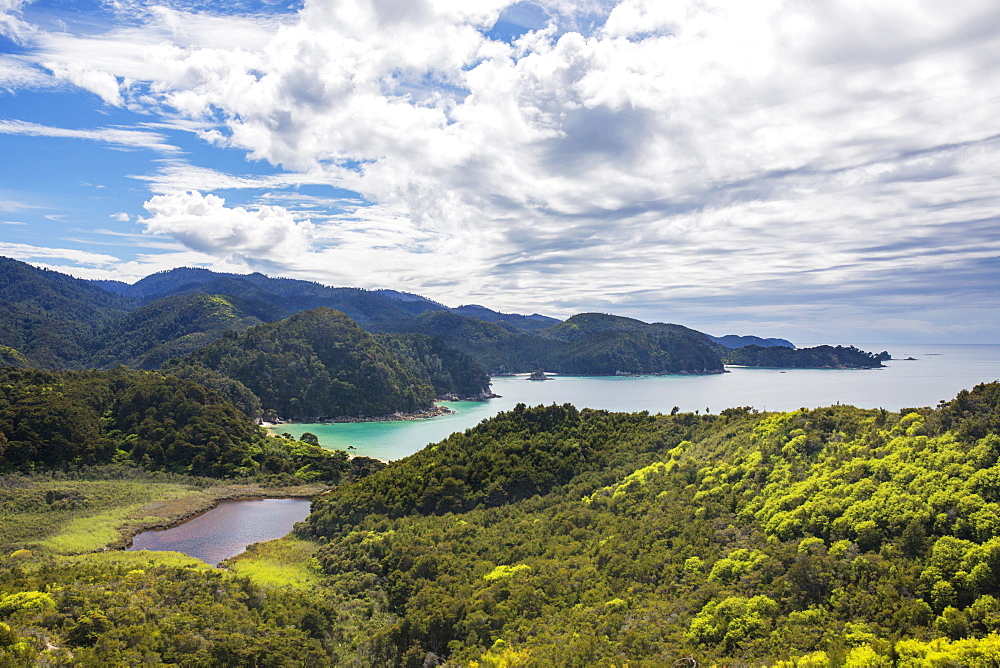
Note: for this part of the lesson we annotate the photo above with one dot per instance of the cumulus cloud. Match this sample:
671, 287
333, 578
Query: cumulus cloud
668, 152
205, 224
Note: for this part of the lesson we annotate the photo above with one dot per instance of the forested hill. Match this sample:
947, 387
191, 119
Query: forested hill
174, 326
529, 322
552, 536
316, 364
586, 344
735, 341
370, 308
599, 343
55, 420
51, 319
818, 357
453, 374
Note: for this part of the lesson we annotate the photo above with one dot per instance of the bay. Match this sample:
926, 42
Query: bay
937, 373
227, 529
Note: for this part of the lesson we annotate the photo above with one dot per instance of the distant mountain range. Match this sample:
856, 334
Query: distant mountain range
282, 297
51, 320
733, 341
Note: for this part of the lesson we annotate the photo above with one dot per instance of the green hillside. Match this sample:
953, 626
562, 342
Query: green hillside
586, 344
55, 420
51, 319
316, 364
551, 536
370, 308
601, 344
451, 373
175, 326
55, 321
818, 357
496, 346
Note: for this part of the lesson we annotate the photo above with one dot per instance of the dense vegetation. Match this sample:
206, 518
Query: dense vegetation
554, 536
316, 364
58, 419
533, 321
586, 344
50, 319
601, 344
176, 612
818, 357
557, 536
451, 373
735, 341
172, 327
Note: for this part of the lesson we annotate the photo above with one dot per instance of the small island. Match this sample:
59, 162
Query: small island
818, 357
538, 375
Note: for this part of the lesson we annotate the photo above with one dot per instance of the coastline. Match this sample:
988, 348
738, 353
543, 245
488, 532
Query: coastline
617, 374
813, 368
391, 417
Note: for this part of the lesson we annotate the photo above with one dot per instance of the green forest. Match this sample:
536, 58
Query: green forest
51, 320
52, 420
817, 357
317, 363
547, 535
552, 535
586, 344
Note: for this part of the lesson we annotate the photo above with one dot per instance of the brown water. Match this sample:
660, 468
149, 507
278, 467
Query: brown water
227, 529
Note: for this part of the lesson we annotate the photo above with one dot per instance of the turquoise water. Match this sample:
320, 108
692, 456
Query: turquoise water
939, 372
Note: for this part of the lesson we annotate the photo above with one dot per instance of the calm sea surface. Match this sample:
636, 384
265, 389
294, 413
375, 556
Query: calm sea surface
227, 529
938, 372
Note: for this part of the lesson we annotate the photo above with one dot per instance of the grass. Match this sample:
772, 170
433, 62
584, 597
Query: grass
285, 562
61, 515
74, 516
139, 560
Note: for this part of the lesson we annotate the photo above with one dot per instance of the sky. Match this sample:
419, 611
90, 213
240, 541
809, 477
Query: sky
819, 170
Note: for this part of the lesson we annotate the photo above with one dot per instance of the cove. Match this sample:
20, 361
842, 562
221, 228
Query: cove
938, 372
227, 529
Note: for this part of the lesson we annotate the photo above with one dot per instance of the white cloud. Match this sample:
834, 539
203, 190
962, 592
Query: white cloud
670, 151
31, 253
15, 74
11, 205
177, 174
204, 224
120, 137
12, 24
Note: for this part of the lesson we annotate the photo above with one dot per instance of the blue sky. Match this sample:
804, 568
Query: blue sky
825, 172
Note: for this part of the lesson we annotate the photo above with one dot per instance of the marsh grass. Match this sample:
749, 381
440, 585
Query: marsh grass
74, 516
286, 562
139, 560
91, 509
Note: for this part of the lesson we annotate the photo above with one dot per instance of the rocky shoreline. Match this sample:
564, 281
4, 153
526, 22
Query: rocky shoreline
392, 417
436, 411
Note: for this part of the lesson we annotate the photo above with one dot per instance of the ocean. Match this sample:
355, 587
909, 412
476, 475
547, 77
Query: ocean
937, 372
